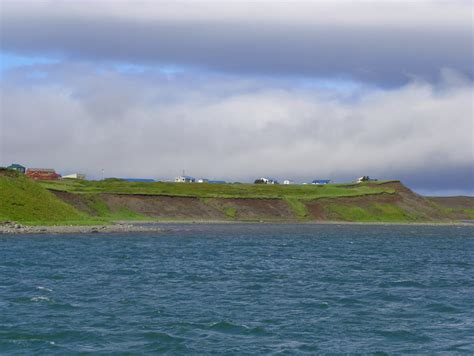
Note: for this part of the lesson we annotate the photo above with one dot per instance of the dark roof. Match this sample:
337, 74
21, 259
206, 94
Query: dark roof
321, 181
15, 165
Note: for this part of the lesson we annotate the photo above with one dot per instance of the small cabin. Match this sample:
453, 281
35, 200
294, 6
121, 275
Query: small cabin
365, 179
17, 167
184, 179
80, 176
265, 180
321, 181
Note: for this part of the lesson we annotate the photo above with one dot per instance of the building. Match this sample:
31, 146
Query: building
204, 180
17, 167
138, 180
265, 180
184, 179
42, 174
321, 181
365, 179
75, 176
287, 181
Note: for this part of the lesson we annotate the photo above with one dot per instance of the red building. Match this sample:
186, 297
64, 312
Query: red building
42, 174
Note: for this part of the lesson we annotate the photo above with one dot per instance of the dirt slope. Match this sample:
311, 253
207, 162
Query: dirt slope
460, 202
403, 205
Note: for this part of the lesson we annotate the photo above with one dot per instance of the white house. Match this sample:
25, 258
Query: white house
265, 180
365, 179
287, 181
203, 180
184, 179
75, 176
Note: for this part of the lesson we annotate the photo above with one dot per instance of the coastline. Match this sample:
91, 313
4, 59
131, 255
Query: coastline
12, 228
18, 229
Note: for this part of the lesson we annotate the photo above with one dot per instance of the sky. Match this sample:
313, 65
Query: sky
236, 90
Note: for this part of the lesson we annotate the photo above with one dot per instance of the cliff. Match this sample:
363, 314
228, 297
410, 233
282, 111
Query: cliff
82, 202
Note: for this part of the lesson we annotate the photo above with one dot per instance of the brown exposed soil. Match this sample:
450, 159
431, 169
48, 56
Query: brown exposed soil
460, 202
413, 205
252, 209
162, 206
76, 200
184, 208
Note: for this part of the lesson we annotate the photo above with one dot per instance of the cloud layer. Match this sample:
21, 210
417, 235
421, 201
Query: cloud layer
239, 89
384, 43
149, 124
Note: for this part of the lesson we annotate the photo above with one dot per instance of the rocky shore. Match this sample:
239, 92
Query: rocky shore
15, 228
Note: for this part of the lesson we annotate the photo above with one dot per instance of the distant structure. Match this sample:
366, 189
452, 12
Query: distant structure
42, 174
321, 181
80, 176
265, 180
205, 180
138, 180
184, 179
365, 179
17, 167
287, 182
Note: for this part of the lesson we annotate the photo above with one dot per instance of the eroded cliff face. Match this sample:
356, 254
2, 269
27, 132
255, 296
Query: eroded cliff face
402, 205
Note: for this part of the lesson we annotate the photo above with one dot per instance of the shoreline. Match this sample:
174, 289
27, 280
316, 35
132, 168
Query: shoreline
12, 228
18, 229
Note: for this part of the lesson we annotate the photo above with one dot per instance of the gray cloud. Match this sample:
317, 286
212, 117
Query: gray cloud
153, 125
386, 43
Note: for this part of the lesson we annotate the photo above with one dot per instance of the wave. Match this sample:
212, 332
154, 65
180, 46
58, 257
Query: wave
44, 288
404, 284
41, 299
162, 337
442, 308
231, 328
404, 335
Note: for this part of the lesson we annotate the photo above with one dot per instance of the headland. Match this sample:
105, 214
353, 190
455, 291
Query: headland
112, 205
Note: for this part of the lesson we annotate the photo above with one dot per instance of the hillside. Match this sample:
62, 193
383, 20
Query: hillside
197, 190
373, 202
460, 207
86, 202
23, 200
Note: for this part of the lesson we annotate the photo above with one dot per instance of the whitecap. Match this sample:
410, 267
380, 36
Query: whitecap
44, 288
40, 299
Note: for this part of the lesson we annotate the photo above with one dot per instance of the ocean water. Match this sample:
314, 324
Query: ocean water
240, 289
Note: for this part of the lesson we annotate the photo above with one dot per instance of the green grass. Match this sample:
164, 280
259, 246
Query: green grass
375, 212
100, 209
230, 212
258, 191
29, 202
24, 201
466, 212
299, 208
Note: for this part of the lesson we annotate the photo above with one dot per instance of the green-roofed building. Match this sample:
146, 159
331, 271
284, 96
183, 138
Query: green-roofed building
17, 167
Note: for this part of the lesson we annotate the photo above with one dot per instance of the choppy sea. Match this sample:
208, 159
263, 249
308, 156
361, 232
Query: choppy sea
240, 289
